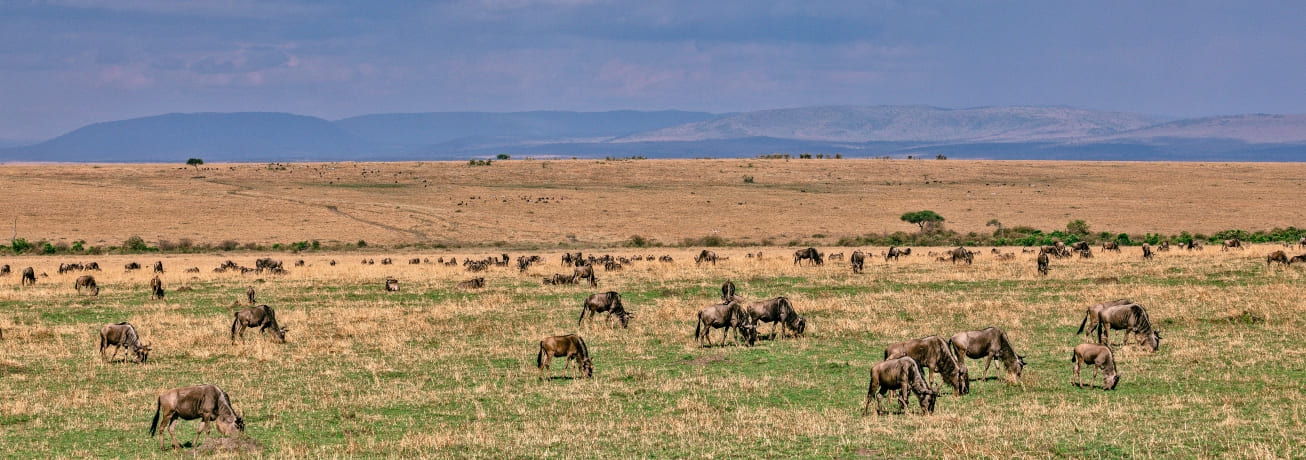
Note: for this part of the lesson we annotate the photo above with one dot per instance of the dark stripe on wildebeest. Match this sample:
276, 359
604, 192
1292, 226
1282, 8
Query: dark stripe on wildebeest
88, 282
901, 374
777, 311
120, 336
262, 317
572, 346
1133, 319
935, 354
728, 315
1100, 357
206, 402
609, 302
990, 342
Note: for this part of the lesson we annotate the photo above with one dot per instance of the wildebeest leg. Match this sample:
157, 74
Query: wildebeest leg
1075, 374
172, 433
115, 352
204, 430
985, 375
902, 398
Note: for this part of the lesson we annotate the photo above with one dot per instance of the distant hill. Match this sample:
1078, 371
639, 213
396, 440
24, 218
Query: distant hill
897, 131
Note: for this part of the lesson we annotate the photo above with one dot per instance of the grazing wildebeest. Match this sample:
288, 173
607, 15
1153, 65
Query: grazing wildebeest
1043, 263
990, 342
1100, 357
1163, 247
609, 302
1079, 246
585, 272
665, 259
386, 261
158, 266
559, 279
935, 354
119, 336
193, 270
132, 266
4, 270
963, 254
1191, 245
705, 256
391, 285
1233, 243
777, 311
93, 266
332, 262
1147, 251
1277, 256
262, 317
156, 288
86, 281
613, 266
571, 346
415, 261
727, 291
29, 277
895, 252
1089, 323
836, 256
474, 283
249, 295
1297, 258
206, 402
1110, 246
729, 315
1087, 253
267, 263
1134, 320
899, 374
808, 254
858, 260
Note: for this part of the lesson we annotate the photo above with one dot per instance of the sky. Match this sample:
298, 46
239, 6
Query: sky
68, 63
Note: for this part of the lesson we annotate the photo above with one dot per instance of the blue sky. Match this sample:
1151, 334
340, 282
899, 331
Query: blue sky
67, 63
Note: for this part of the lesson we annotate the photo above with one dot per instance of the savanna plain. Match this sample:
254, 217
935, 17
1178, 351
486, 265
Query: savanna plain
434, 370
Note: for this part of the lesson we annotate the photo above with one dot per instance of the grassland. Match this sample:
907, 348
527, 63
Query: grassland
433, 371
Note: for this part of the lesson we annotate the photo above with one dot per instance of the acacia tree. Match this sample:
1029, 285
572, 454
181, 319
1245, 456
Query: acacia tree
196, 162
927, 220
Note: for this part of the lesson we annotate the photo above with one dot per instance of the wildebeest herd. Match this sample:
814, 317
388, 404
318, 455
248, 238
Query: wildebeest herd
907, 367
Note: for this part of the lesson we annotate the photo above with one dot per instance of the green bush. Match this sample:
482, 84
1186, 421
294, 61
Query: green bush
135, 243
20, 245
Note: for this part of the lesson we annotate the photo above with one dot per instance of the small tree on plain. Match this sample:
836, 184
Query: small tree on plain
196, 162
927, 220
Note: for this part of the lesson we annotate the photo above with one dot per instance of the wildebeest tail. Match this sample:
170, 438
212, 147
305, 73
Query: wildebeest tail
1082, 324
1072, 356
583, 309
233, 325
155, 424
698, 327
539, 357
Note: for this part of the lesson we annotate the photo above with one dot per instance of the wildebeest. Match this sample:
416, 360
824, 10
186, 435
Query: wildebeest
665, 259
777, 311
249, 295
1147, 251
899, 374
705, 256
1232, 243
990, 342
585, 272
415, 261
1134, 320
120, 336
1043, 263
1191, 245
1100, 357
727, 291
609, 302
572, 346
895, 252
559, 278
1302, 242
267, 263
158, 266
1163, 247
132, 266
1079, 246
156, 288
858, 260
1297, 258
1089, 323
4, 270
386, 261
808, 254
29, 277
836, 256
728, 315
1086, 253
962, 254
206, 402
474, 283
88, 282
935, 354
262, 317
193, 270
1277, 256
391, 285
1110, 246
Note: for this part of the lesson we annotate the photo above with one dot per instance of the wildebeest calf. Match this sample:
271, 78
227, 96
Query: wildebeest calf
122, 335
899, 374
206, 402
1100, 357
262, 317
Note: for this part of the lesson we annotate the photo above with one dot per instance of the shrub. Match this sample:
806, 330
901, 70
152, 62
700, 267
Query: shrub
47, 248
185, 244
362, 244
135, 243
165, 245
748, 179
228, 245
79, 245
20, 245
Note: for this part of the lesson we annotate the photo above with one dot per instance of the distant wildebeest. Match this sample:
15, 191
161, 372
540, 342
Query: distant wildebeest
609, 302
262, 317
808, 254
4, 270
474, 283
1277, 256
65, 268
1110, 246
391, 285
299, 263
1233, 243
1089, 323
585, 272
896, 252
249, 295
899, 374
1133, 319
990, 342
613, 266
93, 266
1043, 263
193, 270
158, 266
1058, 250
665, 259
558, 279
1100, 357
120, 336
1297, 258
836, 256
1079, 246
1191, 245
962, 254
29, 277
156, 288
386, 261
132, 266
727, 291
415, 261
1147, 252
1163, 247
1007, 256
332, 262
729, 315
777, 311
935, 354
206, 402
705, 256
572, 346
1086, 253
88, 282
1302, 242
858, 260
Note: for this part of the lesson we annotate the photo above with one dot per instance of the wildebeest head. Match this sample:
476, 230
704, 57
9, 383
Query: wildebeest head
231, 424
1018, 367
800, 325
1112, 381
142, 353
587, 367
1151, 341
749, 331
624, 317
280, 333
927, 399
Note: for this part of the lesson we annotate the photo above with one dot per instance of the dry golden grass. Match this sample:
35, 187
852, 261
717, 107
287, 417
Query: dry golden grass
595, 203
